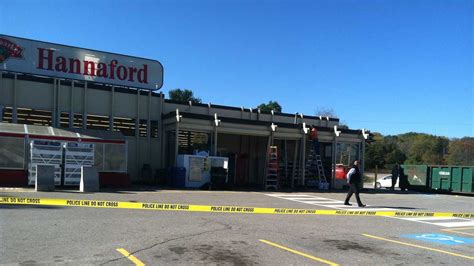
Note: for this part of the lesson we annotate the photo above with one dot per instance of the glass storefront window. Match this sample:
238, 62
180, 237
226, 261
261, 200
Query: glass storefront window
346, 153
12, 153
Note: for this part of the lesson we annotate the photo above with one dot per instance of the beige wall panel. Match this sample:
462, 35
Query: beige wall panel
65, 98
98, 102
287, 135
155, 108
143, 106
144, 152
265, 117
78, 100
326, 136
230, 113
132, 158
125, 105
34, 95
6, 92
348, 138
155, 158
171, 107
145, 158
284, 119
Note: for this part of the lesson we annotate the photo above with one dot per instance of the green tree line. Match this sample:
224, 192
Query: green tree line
418, 148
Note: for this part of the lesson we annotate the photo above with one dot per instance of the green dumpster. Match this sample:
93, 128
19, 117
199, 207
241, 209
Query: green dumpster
417, 176
467, 182
456, 178
441, 178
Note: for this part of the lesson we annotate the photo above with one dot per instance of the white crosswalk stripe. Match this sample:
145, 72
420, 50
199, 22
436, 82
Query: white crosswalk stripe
338, 204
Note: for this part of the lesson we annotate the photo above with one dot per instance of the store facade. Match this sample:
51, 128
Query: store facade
86, 94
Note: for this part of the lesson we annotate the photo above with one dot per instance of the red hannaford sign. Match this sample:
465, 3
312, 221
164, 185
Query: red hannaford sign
34, 57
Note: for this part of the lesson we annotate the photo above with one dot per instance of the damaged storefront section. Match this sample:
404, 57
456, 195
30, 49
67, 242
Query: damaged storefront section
264, 150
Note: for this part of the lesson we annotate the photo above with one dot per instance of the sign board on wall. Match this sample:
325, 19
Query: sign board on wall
55, 60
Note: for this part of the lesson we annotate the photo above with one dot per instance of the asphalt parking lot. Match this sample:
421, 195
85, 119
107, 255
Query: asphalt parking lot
47, 235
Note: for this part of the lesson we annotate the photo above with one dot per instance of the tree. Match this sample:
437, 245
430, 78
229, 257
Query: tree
184, 96
423, 148
329, 112
374, 153
324, 111
461, 151
271, 105
384, 152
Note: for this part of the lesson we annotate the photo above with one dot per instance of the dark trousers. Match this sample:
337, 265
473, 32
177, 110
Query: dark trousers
394, 181
353, 189
316, 146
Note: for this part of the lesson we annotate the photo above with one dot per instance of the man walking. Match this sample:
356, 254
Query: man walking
354, 180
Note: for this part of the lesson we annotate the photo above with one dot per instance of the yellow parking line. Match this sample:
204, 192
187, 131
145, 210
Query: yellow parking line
455, 230
130, 257
299, 253
418, 246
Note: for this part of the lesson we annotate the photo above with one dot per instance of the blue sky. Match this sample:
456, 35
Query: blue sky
389, 66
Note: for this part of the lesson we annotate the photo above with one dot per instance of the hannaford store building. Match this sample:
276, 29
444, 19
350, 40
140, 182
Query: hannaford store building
68, 107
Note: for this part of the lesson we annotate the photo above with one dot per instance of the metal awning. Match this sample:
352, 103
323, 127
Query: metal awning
73, 134
205, 123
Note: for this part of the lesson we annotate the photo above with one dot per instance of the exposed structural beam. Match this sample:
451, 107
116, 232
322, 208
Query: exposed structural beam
336, 132
176, 140
305, 129
84, 107
1, 89
71, 108
55, 103
303, 152
112, 103
365, 136
137, 132
178, 116
273, 128
14, 109
148, 129
295, 158
333, 159
217, 122
58, 106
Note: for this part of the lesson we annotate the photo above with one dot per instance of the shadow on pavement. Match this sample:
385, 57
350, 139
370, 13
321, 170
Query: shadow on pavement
394, 207
25, 206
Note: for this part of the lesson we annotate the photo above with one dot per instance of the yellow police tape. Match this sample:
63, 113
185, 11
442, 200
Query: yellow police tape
224, 209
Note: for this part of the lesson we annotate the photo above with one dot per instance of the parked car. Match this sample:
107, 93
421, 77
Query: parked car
385, 182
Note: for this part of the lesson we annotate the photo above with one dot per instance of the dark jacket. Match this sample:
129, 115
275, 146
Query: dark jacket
355, 178
395, 172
